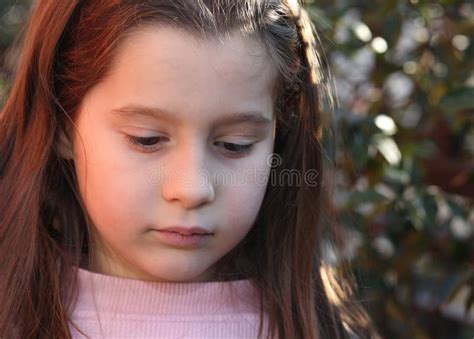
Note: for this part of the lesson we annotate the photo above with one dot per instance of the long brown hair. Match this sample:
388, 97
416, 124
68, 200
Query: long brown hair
44, 234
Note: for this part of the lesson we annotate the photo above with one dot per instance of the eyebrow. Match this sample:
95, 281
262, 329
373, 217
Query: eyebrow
130, 111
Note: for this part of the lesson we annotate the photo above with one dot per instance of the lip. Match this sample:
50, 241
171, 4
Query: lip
183, 237
186, 231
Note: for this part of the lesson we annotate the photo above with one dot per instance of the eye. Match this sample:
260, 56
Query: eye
145, 144
151, 144
235, 150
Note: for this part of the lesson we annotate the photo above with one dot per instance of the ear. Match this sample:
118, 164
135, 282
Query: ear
64, 145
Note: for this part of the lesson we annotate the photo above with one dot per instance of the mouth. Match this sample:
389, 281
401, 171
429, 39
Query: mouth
186, 230
184, 237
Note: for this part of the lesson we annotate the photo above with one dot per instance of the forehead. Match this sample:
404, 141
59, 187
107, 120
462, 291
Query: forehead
230, 54
166, 67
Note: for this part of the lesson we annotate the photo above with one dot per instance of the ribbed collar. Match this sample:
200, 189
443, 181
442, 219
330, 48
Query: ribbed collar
103, 293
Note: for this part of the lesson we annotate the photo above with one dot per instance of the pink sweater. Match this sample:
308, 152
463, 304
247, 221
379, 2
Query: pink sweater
112, 307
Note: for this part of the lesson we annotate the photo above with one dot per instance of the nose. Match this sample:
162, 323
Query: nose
187, 181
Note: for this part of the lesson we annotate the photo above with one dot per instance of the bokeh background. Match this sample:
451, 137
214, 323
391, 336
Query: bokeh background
404, 75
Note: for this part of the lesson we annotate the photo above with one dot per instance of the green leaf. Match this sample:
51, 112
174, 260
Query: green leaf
396, 176
369, 196
459, 99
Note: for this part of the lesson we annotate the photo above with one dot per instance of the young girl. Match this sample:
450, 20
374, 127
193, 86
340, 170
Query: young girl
115, 221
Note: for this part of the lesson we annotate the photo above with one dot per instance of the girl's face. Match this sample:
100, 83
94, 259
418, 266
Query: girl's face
162, 142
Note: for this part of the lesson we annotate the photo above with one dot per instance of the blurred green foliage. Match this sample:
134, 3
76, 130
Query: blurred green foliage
404, 73
12, 15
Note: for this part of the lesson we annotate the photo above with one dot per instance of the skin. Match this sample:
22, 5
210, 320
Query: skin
130, 192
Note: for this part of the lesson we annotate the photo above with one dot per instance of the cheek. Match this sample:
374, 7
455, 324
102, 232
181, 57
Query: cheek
241, 211
114, 192
245, 196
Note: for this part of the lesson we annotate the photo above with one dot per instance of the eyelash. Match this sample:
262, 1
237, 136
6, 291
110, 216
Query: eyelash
137, 142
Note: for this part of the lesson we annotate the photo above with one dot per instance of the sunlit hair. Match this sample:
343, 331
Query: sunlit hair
68, 48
